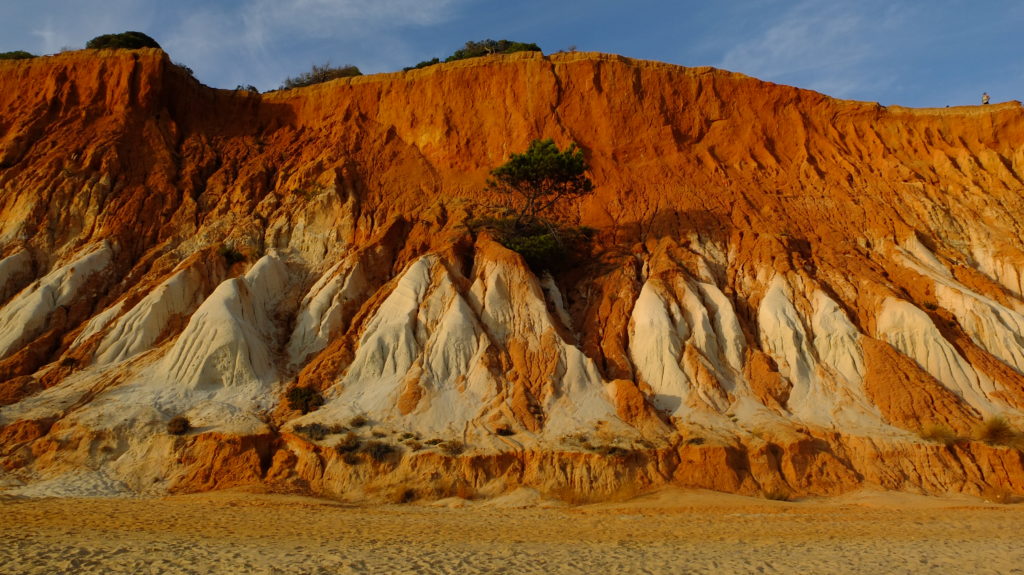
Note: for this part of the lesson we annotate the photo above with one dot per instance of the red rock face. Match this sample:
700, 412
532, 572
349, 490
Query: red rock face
785, 292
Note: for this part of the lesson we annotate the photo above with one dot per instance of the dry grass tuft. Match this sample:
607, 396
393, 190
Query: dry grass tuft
379, 451
452, 447
179, 425
398, 495
348, 444
939, 433
997, 431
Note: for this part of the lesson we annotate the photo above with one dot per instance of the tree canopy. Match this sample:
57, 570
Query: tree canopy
541, 179
124, 41
538, 185
16, 55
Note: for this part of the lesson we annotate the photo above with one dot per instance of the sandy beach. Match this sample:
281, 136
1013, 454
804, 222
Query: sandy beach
670, 532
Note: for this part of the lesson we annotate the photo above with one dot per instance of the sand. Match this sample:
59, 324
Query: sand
671, 532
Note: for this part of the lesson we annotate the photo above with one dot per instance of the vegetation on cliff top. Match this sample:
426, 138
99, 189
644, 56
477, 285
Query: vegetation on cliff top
488, 46
320, 74
129, 40
482, 48
16, 55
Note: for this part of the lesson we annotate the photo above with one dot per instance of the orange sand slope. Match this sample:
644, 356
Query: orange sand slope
697, 532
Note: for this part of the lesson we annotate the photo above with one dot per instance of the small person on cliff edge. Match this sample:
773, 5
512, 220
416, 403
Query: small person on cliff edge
984, 97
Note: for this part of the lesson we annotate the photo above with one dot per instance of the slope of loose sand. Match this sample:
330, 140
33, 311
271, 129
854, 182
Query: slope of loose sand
669, 532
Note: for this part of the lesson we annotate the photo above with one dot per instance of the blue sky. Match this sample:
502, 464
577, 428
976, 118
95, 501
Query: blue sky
912, 53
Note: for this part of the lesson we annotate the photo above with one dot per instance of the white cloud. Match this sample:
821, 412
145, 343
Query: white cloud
257, 24
52, 40
827, 46
330, 17
47, 26
258, 41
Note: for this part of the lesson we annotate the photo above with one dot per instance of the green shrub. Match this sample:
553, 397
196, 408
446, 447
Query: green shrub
179, 425
320, 74
124, 41
544, 245
304, 399
540, 251
16, 55
422, 64
487, 47
231, 255
477, 49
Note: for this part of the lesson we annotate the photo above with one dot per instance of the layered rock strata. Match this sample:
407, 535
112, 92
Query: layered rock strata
786, 291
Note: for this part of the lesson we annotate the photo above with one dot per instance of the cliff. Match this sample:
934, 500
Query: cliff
786, 292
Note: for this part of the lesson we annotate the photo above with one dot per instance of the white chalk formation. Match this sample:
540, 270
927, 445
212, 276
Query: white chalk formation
428, 342
139, 328
326, 310
444, 356
28, 314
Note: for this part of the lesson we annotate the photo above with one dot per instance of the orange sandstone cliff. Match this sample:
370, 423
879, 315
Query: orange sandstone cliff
787, 292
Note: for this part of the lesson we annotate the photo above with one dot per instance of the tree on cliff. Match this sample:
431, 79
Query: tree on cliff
541, 180
538, 184
124, 41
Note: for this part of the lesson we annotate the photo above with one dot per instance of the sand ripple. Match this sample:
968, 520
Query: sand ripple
703, 533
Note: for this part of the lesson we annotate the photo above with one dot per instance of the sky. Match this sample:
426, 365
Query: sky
920, 53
